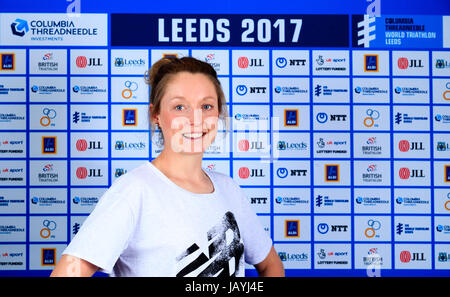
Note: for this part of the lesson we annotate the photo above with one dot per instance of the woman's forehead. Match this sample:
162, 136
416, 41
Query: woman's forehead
190, 86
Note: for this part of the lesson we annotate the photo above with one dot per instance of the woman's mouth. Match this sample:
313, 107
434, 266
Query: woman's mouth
194, 136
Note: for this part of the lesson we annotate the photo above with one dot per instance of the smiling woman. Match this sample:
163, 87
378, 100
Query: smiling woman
169, 217
190, 125
200, 79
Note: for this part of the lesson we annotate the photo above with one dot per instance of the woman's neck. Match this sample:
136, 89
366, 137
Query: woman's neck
179, 165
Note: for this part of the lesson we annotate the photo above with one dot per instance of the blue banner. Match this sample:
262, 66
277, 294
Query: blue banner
413, 31
229, 30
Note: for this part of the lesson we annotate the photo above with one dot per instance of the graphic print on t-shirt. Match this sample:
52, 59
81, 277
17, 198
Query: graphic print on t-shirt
225, 251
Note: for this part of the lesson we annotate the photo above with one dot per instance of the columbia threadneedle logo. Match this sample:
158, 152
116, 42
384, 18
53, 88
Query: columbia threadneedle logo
365, 30
19, 27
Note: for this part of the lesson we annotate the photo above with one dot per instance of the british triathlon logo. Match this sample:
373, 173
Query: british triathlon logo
19, 27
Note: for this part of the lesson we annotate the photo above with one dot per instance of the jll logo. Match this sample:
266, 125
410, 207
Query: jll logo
82, 145
403, 63
82, 172
405, 146
244, 173
244, 145
82, 62
244, 62
405, 257
405, 173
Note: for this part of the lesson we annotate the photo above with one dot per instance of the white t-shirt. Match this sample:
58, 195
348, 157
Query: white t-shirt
146, 225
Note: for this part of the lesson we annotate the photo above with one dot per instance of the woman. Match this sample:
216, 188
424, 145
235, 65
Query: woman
169, 217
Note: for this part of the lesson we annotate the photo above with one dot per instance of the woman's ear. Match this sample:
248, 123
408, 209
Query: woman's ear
154, 118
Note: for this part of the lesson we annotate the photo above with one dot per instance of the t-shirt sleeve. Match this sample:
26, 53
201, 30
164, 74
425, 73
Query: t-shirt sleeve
257, 243
105, 233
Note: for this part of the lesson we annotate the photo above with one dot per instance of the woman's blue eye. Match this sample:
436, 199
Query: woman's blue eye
178, 107
209, 106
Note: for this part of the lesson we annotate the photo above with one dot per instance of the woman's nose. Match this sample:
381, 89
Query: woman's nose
196, 117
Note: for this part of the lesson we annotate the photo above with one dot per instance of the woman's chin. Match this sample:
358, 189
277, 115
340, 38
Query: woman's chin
193, 145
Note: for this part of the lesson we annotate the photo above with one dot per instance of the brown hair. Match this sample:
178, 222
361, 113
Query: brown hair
163, 70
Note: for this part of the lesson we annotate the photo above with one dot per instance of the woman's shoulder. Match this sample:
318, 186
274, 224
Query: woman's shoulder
218, 176
133, 182
223, 180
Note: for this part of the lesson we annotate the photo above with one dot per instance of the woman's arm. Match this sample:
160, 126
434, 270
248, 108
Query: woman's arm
271, 265
70, 266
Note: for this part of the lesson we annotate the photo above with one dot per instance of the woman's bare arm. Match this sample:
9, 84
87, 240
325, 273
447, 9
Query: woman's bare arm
70, 266
271, 266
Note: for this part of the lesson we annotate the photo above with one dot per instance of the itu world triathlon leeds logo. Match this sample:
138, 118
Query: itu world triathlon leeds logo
363, 30
19, 27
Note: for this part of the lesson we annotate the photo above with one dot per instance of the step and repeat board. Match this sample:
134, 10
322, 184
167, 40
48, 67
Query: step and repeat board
339, 130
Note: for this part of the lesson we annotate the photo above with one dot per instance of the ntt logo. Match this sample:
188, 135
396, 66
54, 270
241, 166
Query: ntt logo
281, 62
241, 90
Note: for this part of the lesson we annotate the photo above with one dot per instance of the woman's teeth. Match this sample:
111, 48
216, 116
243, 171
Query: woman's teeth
193, 135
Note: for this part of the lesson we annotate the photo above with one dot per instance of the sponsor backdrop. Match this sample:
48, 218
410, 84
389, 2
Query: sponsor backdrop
339, 127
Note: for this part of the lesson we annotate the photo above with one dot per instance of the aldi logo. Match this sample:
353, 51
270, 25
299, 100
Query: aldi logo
332, 173
169, 55
292, 228
7, 61
371, 63
447, 173
48, 256
49, 145
291, 118
129, 117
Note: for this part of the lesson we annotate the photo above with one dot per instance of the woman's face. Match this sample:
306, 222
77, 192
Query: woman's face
188, 113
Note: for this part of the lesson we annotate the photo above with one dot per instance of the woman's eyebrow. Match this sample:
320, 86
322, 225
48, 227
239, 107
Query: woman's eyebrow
177, 97
182, 98
209, 98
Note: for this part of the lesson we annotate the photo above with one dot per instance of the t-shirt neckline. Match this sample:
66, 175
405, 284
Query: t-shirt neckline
171, 183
